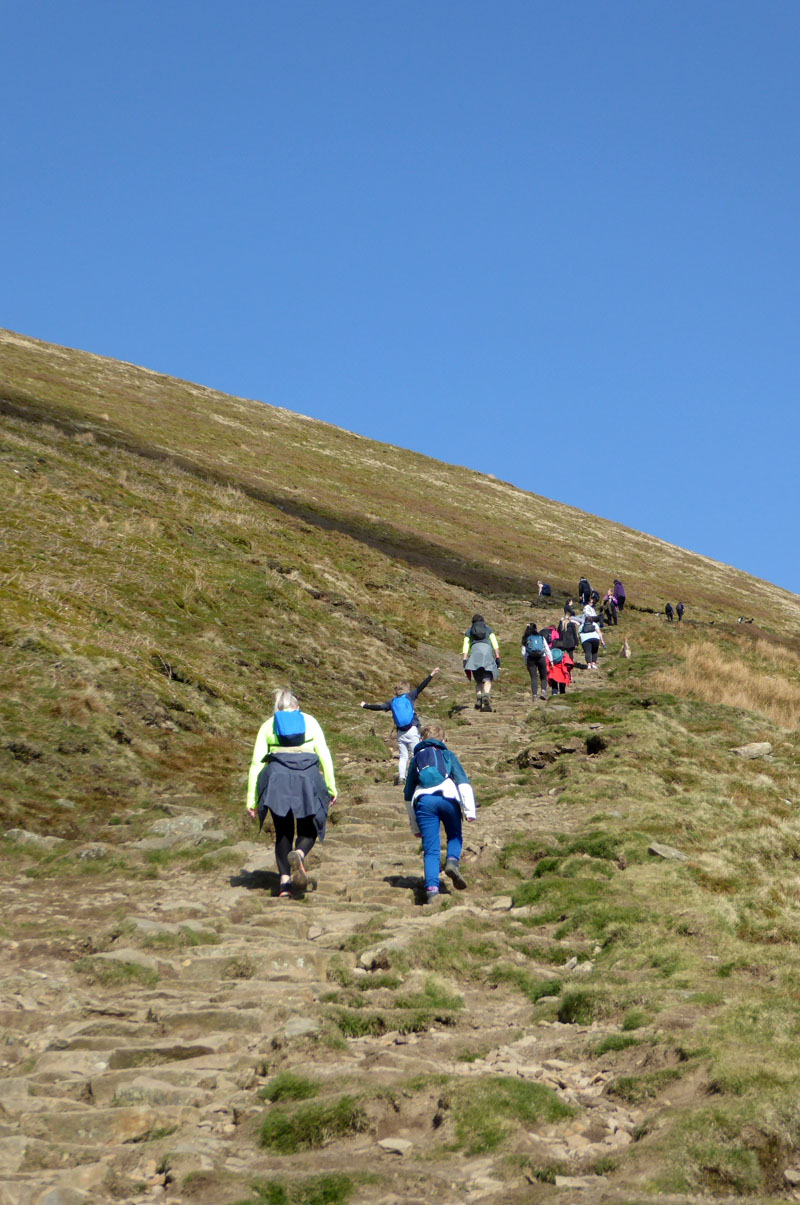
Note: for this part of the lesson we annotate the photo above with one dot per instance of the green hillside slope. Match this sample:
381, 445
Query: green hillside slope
170, 556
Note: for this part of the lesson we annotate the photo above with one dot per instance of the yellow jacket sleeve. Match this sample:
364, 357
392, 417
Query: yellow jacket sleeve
260, 751
465, 647
493, 641
315, 737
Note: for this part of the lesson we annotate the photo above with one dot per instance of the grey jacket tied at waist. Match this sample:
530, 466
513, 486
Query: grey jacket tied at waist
293, 782
482, 656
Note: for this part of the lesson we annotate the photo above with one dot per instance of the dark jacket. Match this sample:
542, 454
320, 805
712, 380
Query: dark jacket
412, 694
293, 782
569, 636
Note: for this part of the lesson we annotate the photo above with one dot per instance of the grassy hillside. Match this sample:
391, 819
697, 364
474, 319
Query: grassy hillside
171, 555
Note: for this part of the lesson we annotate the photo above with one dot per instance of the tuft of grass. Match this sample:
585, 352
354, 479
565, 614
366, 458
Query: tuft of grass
488, 1109
434, 996
111, 973
311, 1126
333, 1188
614, 1041
288, 1086
530, 985
239, 967
636, 1089
578, 1008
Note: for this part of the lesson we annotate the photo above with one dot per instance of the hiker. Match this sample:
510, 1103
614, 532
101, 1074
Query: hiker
584, 591
291, 777
405, 719
679, 611
481, 658
619, 594
568, 636
537, 654
668, 611
559, 673
591, 637
569, 607
545, 589
610, 607
438, 792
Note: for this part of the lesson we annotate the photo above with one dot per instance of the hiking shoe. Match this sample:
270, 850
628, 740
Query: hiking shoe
451, 869
478, 702
285, 891
297, 865
487, 703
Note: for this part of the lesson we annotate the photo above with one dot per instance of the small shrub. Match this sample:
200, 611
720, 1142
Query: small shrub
577, 1008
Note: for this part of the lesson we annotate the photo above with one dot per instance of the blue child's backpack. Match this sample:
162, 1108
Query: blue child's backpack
558, 656
431, 766
403, 711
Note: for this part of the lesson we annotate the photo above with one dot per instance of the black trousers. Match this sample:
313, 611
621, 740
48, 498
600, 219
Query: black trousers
537, 668
284, 838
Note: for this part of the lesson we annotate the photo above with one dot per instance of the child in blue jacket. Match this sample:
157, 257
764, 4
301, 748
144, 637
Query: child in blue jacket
438, 792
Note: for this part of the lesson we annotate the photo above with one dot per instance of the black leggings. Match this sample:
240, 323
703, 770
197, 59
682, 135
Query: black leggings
537, 668
284, 838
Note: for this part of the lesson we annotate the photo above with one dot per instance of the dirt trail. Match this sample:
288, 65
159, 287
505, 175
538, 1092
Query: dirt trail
146, 1088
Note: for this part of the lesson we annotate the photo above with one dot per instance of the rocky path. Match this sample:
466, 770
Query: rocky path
142, 1017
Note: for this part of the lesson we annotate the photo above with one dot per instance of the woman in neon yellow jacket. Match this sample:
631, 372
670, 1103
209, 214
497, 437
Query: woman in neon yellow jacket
291, 777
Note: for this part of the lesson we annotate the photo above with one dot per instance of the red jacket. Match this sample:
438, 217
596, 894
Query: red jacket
561, 671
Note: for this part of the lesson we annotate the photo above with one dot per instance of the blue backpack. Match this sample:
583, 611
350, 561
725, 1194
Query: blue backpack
558, 656
290, 727
534, 644
431, 766
402, 711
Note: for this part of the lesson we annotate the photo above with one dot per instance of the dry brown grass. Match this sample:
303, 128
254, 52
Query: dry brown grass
712, 674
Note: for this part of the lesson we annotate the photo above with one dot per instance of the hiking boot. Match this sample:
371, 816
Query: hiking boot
297, 865
451, 869
478, 702
285, 890
432, 898
487, 703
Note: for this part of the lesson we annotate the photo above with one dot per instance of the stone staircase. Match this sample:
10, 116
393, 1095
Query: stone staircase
140, 1017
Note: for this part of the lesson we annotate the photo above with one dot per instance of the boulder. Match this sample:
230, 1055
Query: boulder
668, 852
21, 836
754, 749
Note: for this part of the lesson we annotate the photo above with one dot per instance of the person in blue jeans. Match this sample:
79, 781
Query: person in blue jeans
438, 792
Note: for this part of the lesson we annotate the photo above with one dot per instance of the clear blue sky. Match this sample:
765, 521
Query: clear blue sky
557, 242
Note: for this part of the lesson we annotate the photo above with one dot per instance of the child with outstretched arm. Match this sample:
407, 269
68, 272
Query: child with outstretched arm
406, 720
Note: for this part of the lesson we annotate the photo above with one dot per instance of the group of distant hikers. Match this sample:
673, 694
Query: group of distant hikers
291, 773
